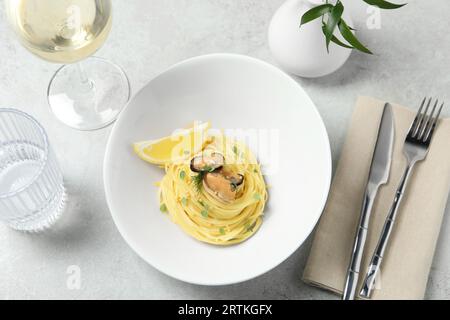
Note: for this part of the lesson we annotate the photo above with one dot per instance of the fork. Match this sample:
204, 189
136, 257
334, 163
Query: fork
415, 149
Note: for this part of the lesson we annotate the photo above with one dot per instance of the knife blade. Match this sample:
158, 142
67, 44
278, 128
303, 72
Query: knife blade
378, 175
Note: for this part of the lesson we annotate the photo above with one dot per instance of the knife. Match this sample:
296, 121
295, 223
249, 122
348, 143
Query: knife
378, 175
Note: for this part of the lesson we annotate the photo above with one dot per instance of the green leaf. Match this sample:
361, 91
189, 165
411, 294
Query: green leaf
182, 174
235, 150
333, 19
315, 13
222, 231
340, 43
382, 4
350, 37
336, 40
204, 213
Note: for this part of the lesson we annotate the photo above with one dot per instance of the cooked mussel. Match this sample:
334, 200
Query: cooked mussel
223, 184
207, 163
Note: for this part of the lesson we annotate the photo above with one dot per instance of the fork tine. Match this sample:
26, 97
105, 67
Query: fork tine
420, 116
430, 132
415, 122
427, 128
426, 121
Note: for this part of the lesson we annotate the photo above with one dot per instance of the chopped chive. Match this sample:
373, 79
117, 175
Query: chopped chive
163, 208
257, 196
182, 174
204, 205
204, 213
184, 201
222, 231
251, 226
235, 150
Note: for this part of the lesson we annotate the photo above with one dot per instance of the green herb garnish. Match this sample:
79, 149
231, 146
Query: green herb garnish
257, 196
222, 231
184, 201
204, 205
204, 213
163, 208
182, 174
250, 227
208, 169
198, 181
235, 150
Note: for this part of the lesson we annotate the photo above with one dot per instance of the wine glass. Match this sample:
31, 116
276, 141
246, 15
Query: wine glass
84, 95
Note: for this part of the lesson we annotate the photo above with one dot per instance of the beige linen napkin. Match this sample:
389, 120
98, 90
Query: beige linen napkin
408, 259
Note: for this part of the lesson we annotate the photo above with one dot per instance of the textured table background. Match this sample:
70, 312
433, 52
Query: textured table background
411, 61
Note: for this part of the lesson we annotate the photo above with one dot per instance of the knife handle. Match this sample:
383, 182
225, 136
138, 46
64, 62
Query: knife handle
351, 281
377, 258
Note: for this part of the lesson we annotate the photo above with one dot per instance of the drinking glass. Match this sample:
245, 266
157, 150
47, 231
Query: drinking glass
32, 194
85, 95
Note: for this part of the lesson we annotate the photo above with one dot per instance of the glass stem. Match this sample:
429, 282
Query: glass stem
85, 82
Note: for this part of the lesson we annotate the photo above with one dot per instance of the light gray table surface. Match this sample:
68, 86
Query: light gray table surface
411, 61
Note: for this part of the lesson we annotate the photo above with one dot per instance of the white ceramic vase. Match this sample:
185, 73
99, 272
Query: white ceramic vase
302, 51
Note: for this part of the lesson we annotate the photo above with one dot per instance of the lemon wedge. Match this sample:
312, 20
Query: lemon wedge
181, 145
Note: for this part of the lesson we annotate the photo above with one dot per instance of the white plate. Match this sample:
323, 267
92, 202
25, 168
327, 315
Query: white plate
231, 91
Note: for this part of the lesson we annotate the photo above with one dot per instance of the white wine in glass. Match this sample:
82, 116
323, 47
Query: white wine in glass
85, 95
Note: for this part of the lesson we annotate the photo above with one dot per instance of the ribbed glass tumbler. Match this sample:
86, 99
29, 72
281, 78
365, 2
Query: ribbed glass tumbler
32, 194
